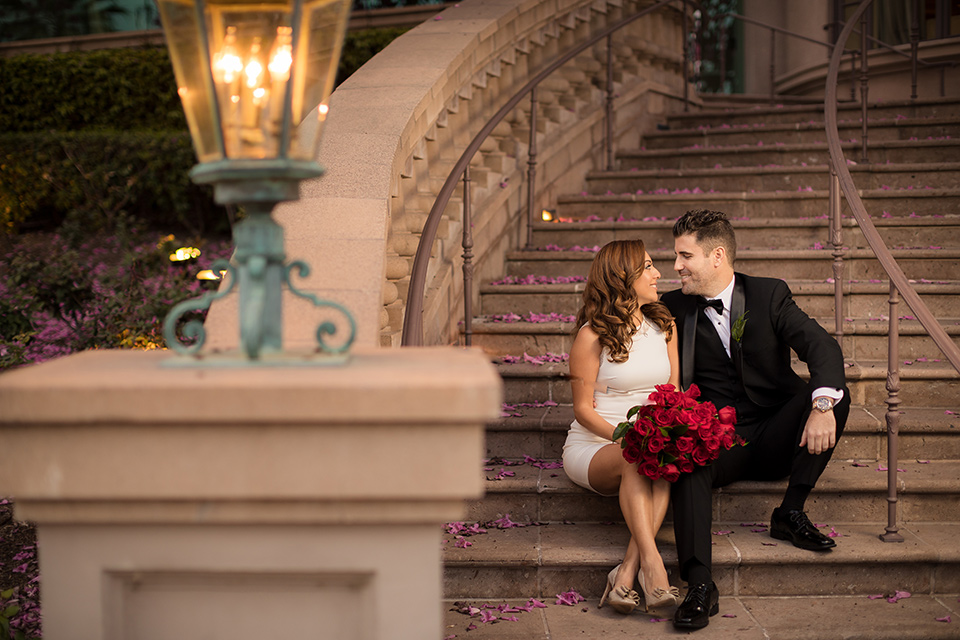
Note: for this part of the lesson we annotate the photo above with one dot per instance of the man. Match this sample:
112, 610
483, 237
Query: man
736, 333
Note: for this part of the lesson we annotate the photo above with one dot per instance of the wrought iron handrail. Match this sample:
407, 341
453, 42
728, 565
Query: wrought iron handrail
413, 320
774, 30
899, 285
913, 55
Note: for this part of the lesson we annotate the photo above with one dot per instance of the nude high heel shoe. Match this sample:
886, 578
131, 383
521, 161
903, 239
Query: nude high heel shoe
659, 597
622, 599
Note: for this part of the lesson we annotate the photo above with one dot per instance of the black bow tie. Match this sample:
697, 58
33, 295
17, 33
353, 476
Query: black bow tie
716, 304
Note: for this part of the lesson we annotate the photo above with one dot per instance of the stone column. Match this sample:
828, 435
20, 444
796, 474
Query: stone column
271, 502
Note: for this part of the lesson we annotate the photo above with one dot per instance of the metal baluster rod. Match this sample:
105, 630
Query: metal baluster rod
532, 167
467, 261
608, 134
893, 418
836, 238
864, 79
684, 49
914, 47
773, 66
723, 56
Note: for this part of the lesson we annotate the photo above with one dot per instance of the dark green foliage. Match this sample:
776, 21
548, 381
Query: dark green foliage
94, 181
97, 140
120, 89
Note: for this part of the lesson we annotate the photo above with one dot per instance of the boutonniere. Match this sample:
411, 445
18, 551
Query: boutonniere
736, 330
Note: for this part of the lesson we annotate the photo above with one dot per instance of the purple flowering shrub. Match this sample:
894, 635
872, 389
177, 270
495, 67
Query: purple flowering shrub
108, 292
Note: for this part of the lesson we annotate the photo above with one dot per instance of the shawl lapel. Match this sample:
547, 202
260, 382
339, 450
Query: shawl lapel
737, 309
689, 344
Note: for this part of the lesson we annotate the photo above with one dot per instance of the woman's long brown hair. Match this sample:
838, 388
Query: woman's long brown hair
610, 303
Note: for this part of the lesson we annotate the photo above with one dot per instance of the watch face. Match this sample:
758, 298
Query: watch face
823, 404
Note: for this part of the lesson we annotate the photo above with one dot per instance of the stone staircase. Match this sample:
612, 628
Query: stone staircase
766, 168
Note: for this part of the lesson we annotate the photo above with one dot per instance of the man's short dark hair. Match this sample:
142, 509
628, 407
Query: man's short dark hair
711, 229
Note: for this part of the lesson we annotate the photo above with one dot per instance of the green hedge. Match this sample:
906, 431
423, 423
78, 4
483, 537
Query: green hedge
103, 180
94, 139
119, 89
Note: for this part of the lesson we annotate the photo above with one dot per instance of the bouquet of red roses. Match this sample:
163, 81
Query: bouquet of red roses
675, 433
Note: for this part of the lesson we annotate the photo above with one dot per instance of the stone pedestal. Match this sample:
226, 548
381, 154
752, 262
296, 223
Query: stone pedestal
275, 502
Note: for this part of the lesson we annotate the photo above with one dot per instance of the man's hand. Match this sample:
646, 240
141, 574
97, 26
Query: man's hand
820, 432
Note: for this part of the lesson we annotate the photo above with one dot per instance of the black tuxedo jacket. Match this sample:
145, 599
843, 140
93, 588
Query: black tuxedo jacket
774, 326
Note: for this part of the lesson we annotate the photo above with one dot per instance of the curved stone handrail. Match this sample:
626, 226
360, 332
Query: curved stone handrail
393, 131
412, 326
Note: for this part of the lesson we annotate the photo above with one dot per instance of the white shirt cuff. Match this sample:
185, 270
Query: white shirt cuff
830, 392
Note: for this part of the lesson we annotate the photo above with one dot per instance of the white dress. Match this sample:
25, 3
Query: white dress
620, 386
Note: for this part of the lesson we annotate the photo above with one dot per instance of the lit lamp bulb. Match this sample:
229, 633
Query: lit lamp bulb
282, 56
546, 215
227, 64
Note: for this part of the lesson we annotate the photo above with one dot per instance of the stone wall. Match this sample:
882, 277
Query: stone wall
399, 124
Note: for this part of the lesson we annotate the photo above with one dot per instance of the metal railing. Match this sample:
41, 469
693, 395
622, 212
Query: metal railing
413, 315
899, 285
915, 60
774, 30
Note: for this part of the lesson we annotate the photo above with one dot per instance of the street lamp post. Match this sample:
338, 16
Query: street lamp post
249, 72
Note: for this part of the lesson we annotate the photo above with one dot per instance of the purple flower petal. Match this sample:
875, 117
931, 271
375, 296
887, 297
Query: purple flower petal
569, 598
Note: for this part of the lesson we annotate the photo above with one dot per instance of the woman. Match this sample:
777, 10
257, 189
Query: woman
625, 345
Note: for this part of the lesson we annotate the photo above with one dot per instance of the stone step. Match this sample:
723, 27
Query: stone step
816, 297
922, 384
737, 178
847, 492
757, 233
742, 618
862, 339
879, 152
925, 433
758, 204
542, 561
809, 264
762, 112
802, 132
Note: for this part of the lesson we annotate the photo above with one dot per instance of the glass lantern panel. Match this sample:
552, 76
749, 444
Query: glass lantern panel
323, 26
189, 58
250, 59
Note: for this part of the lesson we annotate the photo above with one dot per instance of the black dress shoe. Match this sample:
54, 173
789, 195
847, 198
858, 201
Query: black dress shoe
702, 601
796, 527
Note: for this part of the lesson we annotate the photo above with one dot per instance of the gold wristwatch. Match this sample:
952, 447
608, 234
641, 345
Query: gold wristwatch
823, 404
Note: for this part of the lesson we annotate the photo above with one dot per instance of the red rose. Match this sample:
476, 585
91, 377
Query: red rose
670, 472
701, 456
727, 415
711, 442
632, 453
650, 468
666, 396
685, 444
632, 438
643, 426
656, 443
662, 417
726, 439
685, 465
